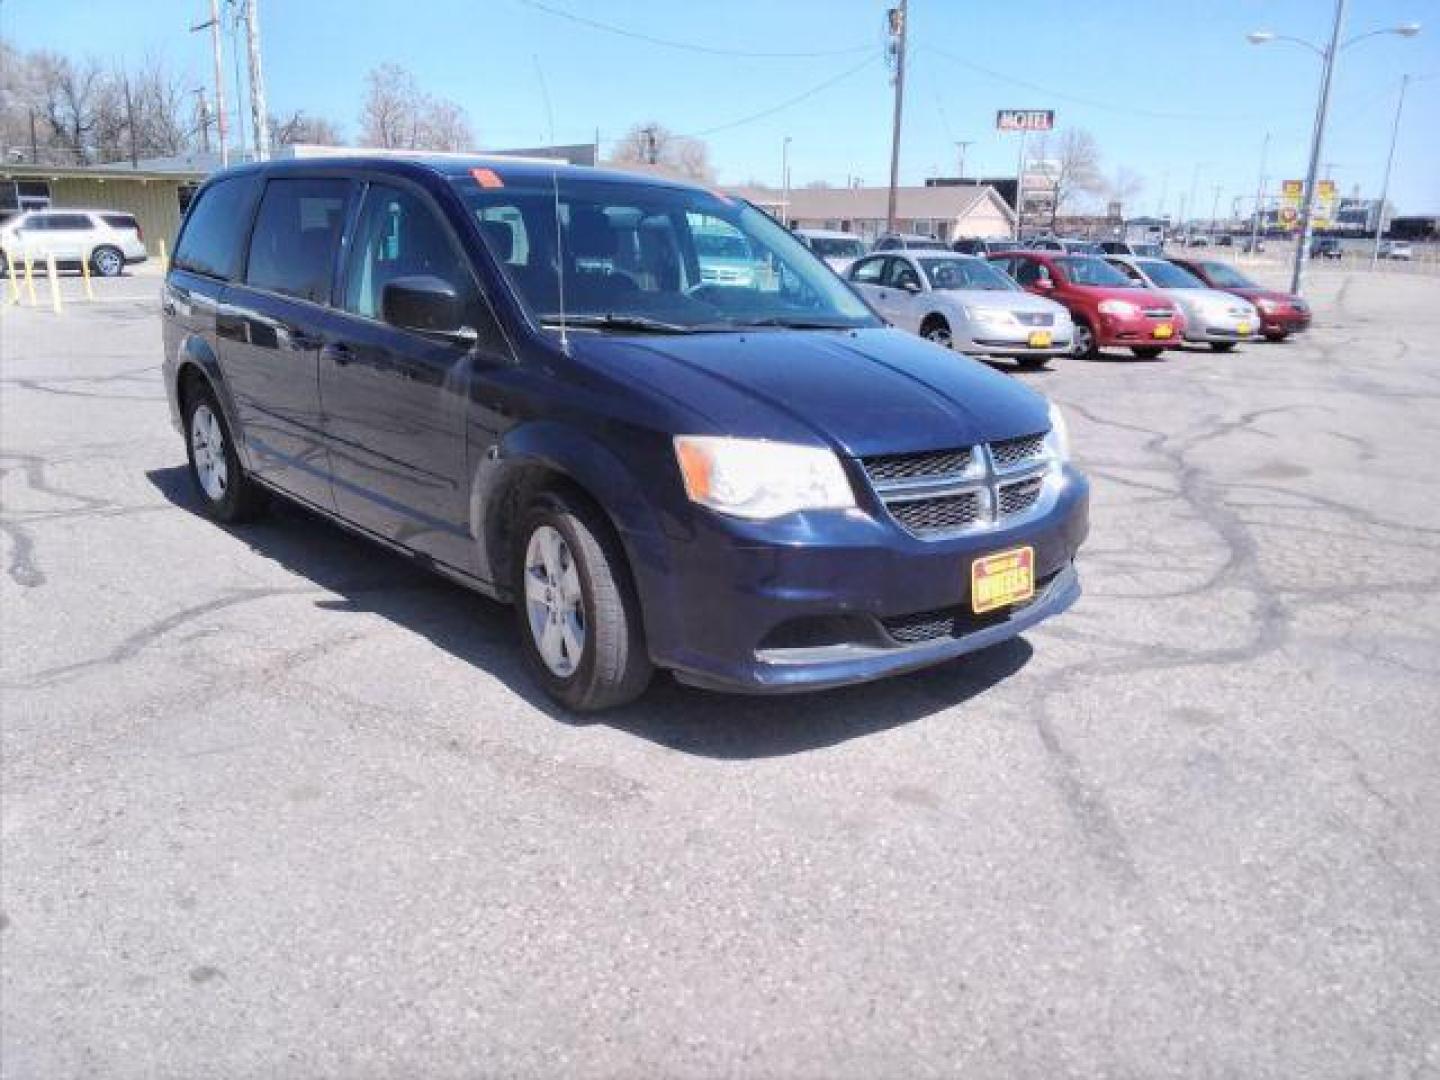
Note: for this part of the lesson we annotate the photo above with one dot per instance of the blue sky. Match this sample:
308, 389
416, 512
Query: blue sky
1165, 87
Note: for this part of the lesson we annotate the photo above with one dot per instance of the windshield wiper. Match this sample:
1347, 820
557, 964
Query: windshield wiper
796, 323
612, 321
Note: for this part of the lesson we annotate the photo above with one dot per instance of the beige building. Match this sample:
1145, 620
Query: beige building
157, 197
947, 213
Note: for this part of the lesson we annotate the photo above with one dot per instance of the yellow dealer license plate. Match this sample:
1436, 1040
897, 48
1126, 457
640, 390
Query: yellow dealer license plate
1007, 577
1164, 330
1040, 339
1243, 329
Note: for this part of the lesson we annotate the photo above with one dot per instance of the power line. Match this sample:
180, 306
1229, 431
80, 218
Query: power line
688, 46
772, 110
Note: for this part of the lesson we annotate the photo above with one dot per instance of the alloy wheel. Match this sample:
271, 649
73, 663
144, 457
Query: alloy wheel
554, 603
108, 262
207, 440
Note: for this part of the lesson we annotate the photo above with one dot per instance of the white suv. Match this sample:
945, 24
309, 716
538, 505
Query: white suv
106, 239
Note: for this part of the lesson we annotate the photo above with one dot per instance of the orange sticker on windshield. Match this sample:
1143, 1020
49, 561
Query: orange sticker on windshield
487, 178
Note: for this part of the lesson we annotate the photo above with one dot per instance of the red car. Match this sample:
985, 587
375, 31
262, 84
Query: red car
1108, 308
1281, 313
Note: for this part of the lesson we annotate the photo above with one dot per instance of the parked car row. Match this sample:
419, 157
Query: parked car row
1031, 305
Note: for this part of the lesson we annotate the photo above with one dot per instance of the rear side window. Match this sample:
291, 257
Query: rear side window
212, 241
68, 223
292, 248
120, 221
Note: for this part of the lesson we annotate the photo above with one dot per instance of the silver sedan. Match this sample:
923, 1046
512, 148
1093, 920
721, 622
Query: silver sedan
1212, 316
963, 303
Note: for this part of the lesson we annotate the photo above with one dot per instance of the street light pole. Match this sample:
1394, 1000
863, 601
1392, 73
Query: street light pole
785, 182
1317, 139
213, 25
1389, 161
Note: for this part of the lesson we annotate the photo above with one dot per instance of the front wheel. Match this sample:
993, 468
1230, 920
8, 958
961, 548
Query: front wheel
107, 261
1222, 346
579, 618
938, 331
1032, 363
1146, 352
1275, 335
1084, 345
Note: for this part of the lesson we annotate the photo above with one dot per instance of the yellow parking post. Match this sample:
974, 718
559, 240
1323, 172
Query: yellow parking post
164, 257
85, 273
30, 279
12, 276
54, 276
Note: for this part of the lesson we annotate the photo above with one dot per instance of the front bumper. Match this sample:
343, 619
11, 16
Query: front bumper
1284, 321
1139, 331
1222, 329
1003, 342
835, 601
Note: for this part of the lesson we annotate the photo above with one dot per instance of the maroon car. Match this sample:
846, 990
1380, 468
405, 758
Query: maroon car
1281, 313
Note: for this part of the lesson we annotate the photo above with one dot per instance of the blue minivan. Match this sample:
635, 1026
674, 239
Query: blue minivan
530, 378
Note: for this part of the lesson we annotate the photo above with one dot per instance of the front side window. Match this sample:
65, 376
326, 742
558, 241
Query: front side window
297, 229
676, 258
1088, 270
965, 274
902, 275
397, 235
213, 238
1029, 272
868, 272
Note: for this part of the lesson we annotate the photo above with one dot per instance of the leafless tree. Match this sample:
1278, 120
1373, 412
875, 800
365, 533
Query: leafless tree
1074, 169
396, 114
70, 93
299, 128
654, 144
1123, 186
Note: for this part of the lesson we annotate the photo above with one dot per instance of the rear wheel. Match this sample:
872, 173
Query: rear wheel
4, 265
107, 261
579, 618
1222, 346
1146, 352
937, 330
1084, 343
228, 492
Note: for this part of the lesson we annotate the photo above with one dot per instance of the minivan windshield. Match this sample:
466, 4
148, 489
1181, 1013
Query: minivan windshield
965, 273
632, 256
1088, 270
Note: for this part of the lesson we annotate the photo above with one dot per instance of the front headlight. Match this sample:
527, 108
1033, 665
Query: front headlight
757, 479
1267, 305
1057, 439
1118, 307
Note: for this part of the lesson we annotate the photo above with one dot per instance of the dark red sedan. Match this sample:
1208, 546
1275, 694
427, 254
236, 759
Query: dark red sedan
1281, 313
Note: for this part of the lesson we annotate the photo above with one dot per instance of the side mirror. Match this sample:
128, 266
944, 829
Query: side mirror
429, 305
1044, 284
910, 287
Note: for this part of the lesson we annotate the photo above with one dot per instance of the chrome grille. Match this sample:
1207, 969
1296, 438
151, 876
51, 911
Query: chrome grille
1034, 318
942, 492
947, 513
1017, 497
1013, 452
903, 468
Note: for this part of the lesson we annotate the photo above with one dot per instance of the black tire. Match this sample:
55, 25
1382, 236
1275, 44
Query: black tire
1085, 347
936, 329
1222, 346
241, 498
1032, 363
614, 666
107, 261
1276, 335
1146, 352
4, 266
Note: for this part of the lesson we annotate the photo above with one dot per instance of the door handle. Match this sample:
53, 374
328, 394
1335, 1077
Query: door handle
337, 352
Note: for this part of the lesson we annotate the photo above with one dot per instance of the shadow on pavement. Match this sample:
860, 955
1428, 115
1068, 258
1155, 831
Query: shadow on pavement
369, 578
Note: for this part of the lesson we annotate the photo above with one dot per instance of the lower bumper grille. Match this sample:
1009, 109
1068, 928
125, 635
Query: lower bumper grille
952, 622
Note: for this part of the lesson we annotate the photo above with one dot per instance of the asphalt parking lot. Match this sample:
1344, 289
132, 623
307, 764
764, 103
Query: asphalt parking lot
275, 803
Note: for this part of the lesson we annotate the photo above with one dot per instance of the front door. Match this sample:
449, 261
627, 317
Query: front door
902, 289
270, 329
397, 401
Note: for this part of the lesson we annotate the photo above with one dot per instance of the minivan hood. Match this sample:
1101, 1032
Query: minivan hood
873, 391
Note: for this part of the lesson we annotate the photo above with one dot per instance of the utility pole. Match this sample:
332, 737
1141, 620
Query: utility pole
1020, 187
213, 25
1389, 161
898, 28
130, 123
962, 145
203, 107
259, 120
34, 141
1259, 197
241, 144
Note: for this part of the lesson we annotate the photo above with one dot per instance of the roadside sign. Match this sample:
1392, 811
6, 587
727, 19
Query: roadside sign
1025, 120
1291, 195
1324, 204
